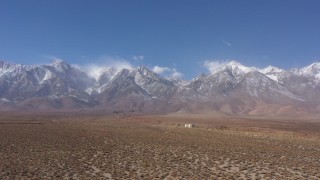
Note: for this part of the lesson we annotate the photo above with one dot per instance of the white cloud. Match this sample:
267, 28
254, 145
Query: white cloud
96, 69
212, 66
93, 70
160, 70
138, 57
177, 75
226, 43
122, 64
50, 59
171, 72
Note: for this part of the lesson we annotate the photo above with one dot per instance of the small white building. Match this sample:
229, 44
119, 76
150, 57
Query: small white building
189, 125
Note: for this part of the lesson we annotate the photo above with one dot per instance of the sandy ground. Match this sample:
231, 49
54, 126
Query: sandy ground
158, 147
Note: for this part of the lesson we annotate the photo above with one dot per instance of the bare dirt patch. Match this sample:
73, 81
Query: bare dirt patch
157, 147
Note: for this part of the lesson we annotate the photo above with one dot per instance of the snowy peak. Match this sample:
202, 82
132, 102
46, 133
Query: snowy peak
60, 65
152, 83
313, 66
7, 67
235, 64
311, 70
144, 75
57, 62
236, 68
142, 70
270, 70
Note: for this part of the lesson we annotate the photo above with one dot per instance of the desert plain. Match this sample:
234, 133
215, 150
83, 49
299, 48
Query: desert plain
128, 146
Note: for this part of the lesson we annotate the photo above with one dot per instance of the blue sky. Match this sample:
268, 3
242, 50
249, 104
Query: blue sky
166, 33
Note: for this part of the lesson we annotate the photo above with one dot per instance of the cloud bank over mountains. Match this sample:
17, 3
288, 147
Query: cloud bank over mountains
96, 69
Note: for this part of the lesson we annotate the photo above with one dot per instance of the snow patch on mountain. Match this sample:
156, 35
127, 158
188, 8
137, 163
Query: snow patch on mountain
48, 75
60, 65
12, 69
311, 70
236, 68
271, 69
272, 72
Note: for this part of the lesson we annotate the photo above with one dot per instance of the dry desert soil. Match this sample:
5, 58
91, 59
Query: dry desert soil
66, 146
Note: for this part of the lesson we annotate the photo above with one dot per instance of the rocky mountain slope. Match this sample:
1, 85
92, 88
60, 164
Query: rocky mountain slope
232, 88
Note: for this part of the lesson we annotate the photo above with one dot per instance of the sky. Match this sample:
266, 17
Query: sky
172, 36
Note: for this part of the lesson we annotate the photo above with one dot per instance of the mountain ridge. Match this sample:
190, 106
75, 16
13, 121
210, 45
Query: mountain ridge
232, 88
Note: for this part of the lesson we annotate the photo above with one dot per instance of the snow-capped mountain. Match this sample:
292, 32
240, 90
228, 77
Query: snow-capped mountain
233, 75
59, 79
136, 87
232, 88
235, 88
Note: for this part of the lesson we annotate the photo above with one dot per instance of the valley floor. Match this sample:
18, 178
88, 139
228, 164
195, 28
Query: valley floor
158, 147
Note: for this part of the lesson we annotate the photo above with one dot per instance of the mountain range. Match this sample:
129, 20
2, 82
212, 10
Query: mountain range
231, 89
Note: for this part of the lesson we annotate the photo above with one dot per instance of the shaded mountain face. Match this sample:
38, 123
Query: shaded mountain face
232, 88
